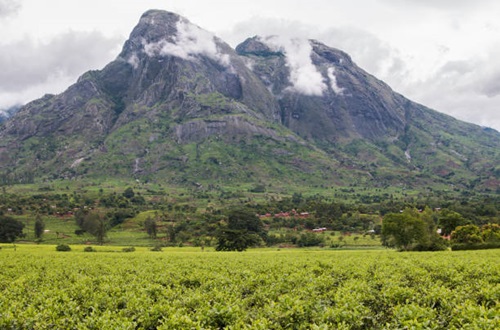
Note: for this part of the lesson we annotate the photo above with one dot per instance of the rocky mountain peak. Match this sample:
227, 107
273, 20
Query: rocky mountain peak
153, 26
164, 34
255, 46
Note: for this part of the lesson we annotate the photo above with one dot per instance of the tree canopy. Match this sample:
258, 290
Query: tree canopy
411, 230
10, 229
243, 229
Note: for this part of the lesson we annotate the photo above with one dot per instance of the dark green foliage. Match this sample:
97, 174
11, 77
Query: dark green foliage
128, 193
412, 230
96, 225
491, 233
472, 237
63, 248
401, 230
236, 240
244, 219
476, 246
469, 234
10, 229
260, 188
89, 249
157, 248
39, 227
151, 227
118, 216
129, 249
449, 220
310, 239
243, 230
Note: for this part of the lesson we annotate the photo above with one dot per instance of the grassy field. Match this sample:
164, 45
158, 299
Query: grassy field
185, 288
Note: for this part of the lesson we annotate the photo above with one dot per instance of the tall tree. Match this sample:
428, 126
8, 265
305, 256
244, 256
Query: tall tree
10, 229
412, 230
39, 227
449, 220
151, 227
401, 230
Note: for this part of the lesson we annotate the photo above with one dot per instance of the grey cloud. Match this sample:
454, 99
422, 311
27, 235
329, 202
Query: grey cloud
368, 51
9, 7
454, 68
491, 86
467, 89
25, 63
439, 4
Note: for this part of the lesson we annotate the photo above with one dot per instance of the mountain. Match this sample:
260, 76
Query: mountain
178, 105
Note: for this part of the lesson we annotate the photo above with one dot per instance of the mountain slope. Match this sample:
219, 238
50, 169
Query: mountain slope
179, 105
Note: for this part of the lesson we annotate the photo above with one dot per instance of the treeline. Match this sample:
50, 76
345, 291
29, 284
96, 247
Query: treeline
293, 217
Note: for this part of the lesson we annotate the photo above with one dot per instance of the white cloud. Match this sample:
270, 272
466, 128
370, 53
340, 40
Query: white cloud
304, 75
333, 81
189, 42
133, 60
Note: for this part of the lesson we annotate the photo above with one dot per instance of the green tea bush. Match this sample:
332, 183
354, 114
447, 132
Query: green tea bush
89, 249
63, 247
129, 249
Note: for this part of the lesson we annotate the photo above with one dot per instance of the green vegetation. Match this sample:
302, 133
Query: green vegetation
412, 230
243, 230
147, 214
10, 229
63, 248
472, 237
258, 289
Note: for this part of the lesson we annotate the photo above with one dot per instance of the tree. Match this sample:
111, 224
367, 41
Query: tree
96, 225
449, 220
10, 229
402, 230
235, 240
150, 226
468, 234
243, 229
39, 227
128, 193
491, 233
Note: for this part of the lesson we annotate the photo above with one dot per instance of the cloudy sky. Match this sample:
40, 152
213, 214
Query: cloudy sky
444, 54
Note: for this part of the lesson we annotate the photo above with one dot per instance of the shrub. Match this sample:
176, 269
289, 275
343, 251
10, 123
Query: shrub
309, 239
156, 248
129, 249
79, 232
89, 249
63, 247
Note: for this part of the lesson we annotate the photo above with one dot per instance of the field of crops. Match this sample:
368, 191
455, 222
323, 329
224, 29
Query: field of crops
258, 289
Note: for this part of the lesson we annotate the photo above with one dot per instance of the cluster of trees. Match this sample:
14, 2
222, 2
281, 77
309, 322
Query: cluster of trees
98, 223
411, 229
472, 236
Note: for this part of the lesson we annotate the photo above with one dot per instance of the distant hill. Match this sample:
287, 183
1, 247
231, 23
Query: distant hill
178, 105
